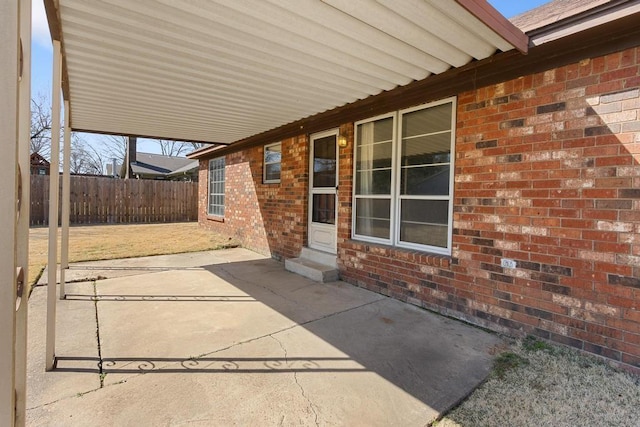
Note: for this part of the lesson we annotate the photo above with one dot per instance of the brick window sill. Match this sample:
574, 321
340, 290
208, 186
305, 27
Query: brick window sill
215, 218
408, 255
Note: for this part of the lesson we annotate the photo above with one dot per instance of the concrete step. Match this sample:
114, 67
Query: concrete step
320, 257
313, 270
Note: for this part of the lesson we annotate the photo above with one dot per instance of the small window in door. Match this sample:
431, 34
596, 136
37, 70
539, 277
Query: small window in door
324, 162
324, 208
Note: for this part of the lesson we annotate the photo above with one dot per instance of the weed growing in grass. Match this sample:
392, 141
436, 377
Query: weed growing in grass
507, 362
532, 344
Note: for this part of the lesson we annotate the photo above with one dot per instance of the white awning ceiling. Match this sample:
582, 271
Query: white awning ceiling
224, 70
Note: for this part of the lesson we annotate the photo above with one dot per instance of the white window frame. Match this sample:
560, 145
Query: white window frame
396, 197
374, 196
210, 186
265, 163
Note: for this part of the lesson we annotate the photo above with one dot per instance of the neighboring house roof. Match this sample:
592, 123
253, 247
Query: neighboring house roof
560, 18
193, 164
552, 12
38, 160
160, 165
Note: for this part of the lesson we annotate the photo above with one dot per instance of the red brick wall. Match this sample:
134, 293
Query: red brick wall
345, 185
547, 174
267, 218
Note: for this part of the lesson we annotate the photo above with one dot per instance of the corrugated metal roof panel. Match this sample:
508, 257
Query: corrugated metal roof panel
223, 70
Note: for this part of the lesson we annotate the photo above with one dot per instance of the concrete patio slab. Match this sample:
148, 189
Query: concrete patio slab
198, 312
234, 339
91, 270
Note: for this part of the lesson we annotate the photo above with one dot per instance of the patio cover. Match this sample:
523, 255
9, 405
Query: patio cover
219, 71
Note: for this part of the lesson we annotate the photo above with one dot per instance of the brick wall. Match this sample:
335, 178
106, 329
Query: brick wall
547, 174
267, 218
345, 185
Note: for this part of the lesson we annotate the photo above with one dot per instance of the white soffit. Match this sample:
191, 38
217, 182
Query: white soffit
224, 70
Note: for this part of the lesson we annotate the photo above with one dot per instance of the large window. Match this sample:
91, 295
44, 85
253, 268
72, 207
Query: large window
272, 163
404, 178
216, 187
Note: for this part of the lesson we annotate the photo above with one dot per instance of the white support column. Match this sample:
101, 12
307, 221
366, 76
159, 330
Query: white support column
66, 182
22, 231
54, 179
9, 67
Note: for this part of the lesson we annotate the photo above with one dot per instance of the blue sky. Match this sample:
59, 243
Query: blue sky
511, 8
41, 52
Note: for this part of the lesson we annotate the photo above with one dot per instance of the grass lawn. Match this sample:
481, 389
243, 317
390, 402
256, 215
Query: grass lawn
98, 242
538, 384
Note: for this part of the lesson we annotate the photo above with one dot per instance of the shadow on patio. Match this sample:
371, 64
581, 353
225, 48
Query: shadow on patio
260, 346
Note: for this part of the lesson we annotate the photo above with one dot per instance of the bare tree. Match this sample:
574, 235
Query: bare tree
178, 148
96, 160
114, 147
173, 148
77, 157
40, 126
80, 157
86, 158
195, 146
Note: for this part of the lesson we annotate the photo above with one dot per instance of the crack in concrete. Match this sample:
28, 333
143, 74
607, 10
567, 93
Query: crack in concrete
312, 406
304, 287
251, 282
271, 334
100, 361
79, 394
102, 374
100, 370
250, 340
290, 327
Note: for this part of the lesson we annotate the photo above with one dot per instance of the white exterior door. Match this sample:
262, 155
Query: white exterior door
323, 183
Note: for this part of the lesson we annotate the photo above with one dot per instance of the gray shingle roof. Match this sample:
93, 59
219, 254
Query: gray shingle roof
158, 164
552, 12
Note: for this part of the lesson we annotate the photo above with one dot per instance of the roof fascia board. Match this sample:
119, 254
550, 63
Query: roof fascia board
483, 11
53, 18
597, 41
205, 152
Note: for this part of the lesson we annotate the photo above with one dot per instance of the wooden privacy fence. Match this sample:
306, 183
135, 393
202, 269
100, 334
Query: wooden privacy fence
104, 200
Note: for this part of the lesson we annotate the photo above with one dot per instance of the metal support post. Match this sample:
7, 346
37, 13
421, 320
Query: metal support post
66, 182
10, 51
54, 179
22, 230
